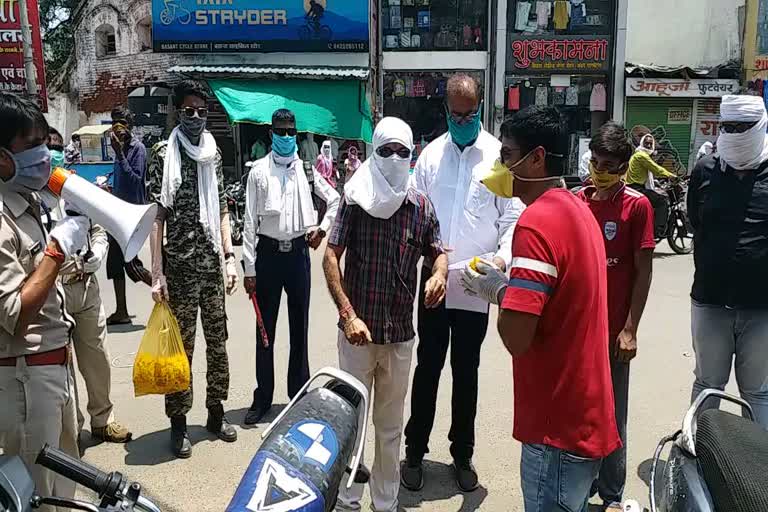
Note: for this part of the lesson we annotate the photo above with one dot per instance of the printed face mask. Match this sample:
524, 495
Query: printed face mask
603, 180
192, 126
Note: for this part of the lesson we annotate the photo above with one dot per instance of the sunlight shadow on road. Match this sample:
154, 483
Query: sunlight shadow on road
155, 448
644, 473
439, 485
125, 328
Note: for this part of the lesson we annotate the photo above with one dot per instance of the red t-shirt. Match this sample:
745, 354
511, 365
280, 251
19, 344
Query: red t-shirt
563, 390
626, 221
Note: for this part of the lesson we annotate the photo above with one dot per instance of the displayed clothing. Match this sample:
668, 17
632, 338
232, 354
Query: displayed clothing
523, 12
558, 96
598, 99
562, 14
543, 11
542, 95
578, 13
513, 98
572, 96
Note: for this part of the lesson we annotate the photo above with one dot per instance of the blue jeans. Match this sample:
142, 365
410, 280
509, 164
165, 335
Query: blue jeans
732, 337
556, 480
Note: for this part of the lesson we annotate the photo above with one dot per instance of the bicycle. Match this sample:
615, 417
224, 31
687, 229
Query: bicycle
168, 14
314, 30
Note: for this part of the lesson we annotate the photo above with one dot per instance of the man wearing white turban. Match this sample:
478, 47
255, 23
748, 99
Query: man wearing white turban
728, 208
384, 227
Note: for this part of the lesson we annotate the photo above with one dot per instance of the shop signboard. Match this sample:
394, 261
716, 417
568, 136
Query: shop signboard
679, 116
680, 88
13, 76
572, 54
225, 26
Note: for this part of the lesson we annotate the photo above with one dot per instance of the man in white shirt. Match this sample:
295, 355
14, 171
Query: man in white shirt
473, 222
280, 226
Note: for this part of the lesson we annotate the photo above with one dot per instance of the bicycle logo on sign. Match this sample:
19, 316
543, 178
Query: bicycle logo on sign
173, 11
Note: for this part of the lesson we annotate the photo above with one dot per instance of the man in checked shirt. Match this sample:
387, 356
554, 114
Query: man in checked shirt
385, 227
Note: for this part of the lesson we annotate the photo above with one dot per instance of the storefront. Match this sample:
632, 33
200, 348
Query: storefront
680, 114
424, 42
310, 57
560, 53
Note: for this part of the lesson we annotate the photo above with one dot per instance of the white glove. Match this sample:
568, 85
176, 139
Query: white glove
92, 264
231, 272
159, 288
486, 284
71, 233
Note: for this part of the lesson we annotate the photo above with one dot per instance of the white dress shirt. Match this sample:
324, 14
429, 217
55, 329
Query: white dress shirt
473, 221
280, 226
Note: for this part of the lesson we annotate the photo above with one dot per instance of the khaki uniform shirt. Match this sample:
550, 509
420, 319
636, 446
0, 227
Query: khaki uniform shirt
22, 242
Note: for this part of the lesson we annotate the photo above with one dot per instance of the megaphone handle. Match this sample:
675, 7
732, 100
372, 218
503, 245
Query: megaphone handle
88, 253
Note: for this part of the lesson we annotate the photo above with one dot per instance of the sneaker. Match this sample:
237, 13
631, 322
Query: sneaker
412, 474
112, 433
466, 476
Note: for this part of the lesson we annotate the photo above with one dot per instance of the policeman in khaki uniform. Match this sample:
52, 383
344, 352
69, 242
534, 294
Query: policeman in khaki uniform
36, 385
83, 299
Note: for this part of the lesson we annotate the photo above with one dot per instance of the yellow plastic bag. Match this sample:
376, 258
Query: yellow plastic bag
161, 366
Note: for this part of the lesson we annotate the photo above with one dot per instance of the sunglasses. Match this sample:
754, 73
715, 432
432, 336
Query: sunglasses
460, 118
285, 131
385, 152
734, 127
202, 112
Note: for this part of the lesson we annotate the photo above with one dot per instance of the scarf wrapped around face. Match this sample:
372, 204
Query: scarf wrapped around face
324, 163
746, 150
380, 185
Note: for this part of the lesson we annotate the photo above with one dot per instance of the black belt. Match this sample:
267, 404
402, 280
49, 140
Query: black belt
282, 245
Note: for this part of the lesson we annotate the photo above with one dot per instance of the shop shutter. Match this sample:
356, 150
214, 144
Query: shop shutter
707, 119
673, 141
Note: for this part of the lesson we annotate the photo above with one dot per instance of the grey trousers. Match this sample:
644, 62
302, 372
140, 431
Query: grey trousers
723, 338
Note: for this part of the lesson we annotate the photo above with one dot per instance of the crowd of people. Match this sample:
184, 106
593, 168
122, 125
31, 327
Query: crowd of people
488, 219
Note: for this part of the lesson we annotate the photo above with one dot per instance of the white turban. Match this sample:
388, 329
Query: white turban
742, 109
747, 150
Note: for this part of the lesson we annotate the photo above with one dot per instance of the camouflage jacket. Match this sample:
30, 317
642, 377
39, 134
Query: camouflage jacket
188, 247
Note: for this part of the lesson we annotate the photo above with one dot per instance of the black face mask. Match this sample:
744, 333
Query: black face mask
55, 147
192, 126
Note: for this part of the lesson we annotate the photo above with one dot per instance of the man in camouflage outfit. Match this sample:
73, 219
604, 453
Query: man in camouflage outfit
187, 183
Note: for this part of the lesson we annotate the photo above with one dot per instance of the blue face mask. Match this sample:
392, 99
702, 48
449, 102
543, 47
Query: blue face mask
283, 145
464, 134
33, 169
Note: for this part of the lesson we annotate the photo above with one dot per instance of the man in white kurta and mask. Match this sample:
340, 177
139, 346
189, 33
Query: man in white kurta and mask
385, 227
280, 226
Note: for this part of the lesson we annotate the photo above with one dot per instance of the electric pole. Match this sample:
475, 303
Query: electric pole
26, 37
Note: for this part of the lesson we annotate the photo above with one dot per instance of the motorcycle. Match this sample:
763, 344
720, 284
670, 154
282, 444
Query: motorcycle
300, 465
718, 461
234, 194
677, 230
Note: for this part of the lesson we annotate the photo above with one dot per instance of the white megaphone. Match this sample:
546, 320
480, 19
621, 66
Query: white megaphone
128, 223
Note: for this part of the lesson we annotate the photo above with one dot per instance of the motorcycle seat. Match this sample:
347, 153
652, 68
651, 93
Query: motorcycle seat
733, 456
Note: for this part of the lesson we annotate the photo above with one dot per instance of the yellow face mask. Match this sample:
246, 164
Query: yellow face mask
499, 180
603, 180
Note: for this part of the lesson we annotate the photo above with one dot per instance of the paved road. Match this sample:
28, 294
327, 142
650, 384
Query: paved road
661, 379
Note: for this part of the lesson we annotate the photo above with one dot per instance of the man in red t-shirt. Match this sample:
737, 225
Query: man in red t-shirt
625, 217
553, 319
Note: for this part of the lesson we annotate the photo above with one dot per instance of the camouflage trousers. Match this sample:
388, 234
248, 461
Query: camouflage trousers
189, 292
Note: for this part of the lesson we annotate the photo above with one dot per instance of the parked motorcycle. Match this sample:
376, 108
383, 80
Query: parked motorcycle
234, 193
678, 231
718, 462
311, 449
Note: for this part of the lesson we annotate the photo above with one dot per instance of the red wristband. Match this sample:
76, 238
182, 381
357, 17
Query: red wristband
59, 257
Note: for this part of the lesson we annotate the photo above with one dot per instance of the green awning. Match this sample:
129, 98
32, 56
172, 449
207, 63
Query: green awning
334, 108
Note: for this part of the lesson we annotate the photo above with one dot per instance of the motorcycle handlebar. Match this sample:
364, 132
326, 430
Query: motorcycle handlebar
74, 469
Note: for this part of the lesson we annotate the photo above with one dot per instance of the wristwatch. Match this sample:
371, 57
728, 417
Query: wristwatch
229, 255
